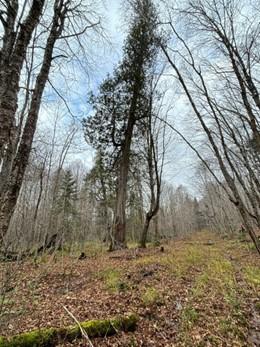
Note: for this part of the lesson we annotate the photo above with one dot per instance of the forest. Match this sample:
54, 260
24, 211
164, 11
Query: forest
130, 173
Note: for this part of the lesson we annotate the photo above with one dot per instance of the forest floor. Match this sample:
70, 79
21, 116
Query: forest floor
201, 291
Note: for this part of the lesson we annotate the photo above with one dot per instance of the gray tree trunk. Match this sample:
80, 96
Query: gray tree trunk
12, 188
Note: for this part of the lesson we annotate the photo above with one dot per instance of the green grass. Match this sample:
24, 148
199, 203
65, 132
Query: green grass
113, 280
151, 296
180, 262
252, 276
148, 260
216, 290
216, 279
189, 317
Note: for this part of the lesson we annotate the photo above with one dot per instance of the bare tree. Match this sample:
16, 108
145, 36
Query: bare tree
223, 94
155, 133
30, 45
218, 212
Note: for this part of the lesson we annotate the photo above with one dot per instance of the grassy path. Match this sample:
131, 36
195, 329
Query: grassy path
195, 293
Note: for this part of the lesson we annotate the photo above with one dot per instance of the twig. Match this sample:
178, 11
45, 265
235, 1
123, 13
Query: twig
83, 332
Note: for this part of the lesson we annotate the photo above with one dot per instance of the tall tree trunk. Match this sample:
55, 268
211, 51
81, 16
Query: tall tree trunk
140, 52
119, 224
12, 188
155, 176
12, 57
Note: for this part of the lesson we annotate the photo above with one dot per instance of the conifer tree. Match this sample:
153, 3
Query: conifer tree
99, 188
66, 202
123, 104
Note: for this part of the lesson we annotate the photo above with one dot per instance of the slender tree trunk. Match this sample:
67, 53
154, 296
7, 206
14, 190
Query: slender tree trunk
35, 215
225, 163
156, 229
154, 180
143, 240
140, 53
249, 229
12, 188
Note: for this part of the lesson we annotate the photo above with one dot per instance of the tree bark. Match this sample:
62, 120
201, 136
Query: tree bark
155, 176
249, 228
12, 188
144, 234
119, 225
12, 57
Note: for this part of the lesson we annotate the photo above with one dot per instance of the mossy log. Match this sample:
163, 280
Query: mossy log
52, 336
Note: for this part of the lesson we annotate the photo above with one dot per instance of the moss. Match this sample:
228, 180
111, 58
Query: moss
41, 338
51, 336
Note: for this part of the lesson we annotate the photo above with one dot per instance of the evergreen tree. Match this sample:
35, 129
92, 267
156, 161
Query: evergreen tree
67, 197
68, 193
200, 221
99, 188
123, 104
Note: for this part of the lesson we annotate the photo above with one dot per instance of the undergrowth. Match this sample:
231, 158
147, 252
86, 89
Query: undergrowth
113, 280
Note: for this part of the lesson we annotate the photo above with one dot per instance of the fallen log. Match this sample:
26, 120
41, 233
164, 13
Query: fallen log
50, 246
49, 337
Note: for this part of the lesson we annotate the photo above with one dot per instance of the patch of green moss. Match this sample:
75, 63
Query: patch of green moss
36, 338
50, 337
